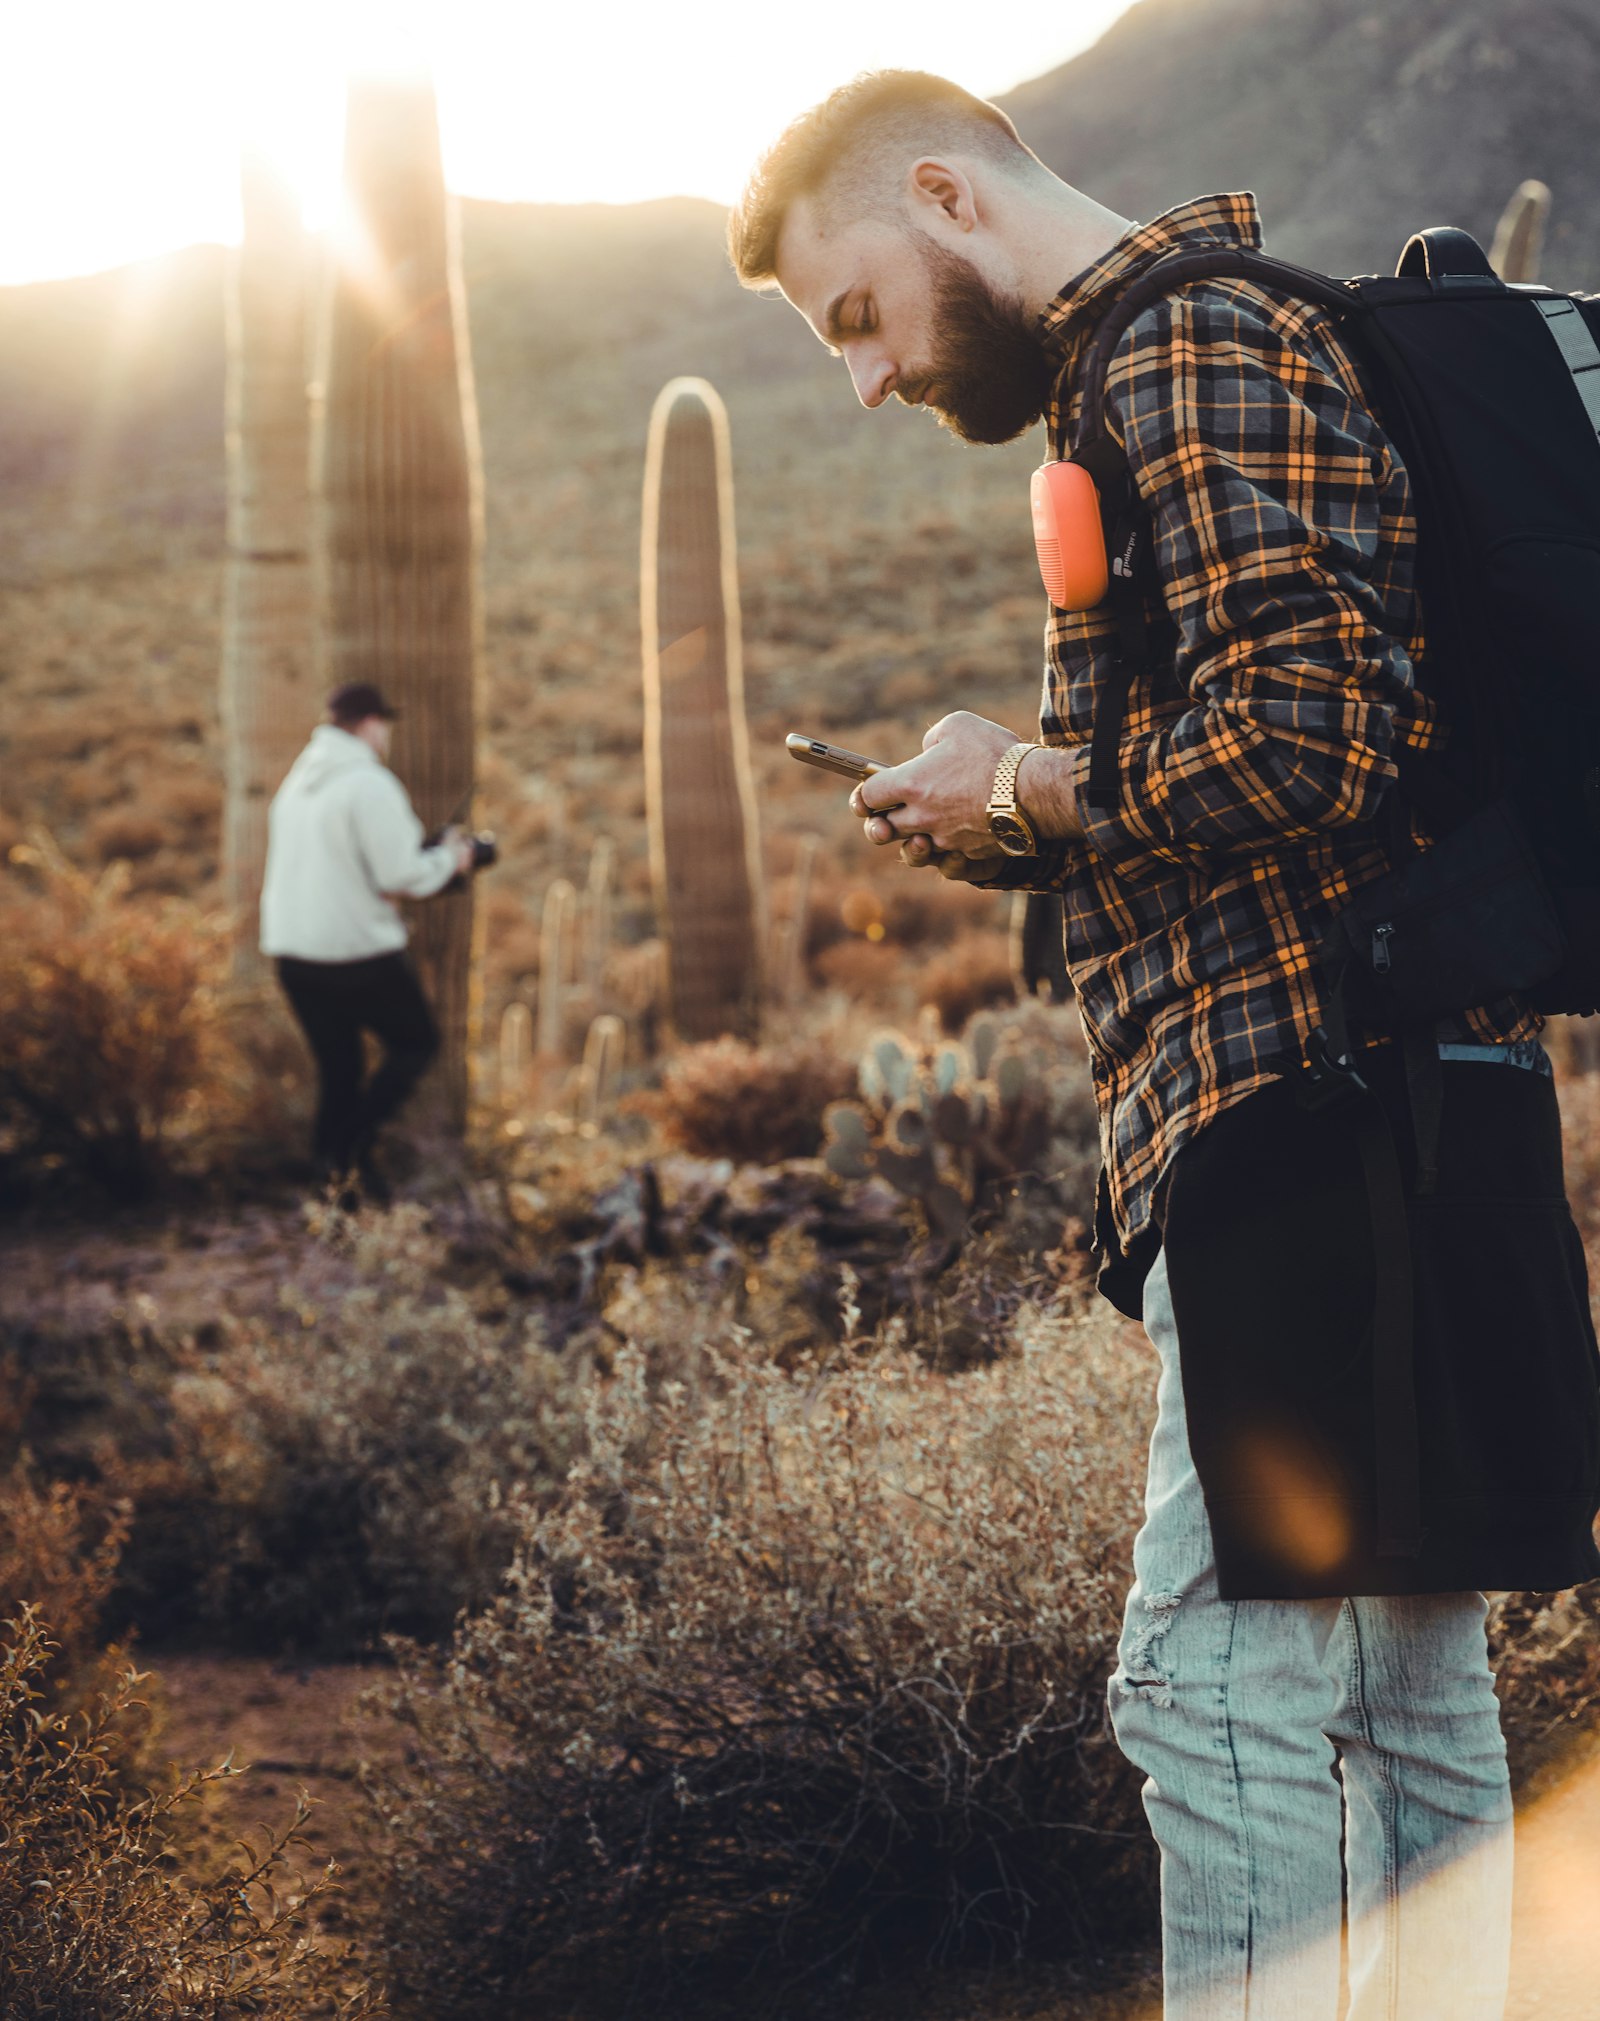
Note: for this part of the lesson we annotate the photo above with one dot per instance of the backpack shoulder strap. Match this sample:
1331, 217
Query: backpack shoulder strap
1128, 541
1164, 277
1569, 326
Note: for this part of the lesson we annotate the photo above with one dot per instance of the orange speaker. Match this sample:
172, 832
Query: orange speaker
1068, 533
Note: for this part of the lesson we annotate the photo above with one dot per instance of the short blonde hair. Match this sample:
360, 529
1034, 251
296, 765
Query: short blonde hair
848, 149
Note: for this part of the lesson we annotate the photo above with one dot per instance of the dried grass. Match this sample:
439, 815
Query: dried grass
798, 1680
115, 1049
95, 1925
311, 1481
753, 1104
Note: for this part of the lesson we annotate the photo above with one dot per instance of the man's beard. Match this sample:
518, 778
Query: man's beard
989, 377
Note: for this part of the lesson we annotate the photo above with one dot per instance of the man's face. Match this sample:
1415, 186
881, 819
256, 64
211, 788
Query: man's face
913, 318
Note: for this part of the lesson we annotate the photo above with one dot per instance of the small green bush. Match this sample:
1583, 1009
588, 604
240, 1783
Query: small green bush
800, 1679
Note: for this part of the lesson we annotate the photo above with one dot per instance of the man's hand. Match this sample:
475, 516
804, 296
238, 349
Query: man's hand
943, 796
461, 842
937, 806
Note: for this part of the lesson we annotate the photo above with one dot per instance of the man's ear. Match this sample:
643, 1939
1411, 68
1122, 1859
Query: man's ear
939, 186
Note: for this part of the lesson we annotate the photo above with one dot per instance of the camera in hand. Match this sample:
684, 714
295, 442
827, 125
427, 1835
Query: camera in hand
485, 850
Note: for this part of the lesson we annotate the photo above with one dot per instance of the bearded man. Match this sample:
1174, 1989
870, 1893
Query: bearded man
1314, 1713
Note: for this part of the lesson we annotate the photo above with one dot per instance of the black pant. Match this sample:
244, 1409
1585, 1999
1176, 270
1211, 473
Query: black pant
336, 1001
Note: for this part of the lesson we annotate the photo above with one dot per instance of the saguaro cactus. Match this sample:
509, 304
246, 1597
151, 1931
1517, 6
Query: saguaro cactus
704, 846
516, 1050
1519, 236
267, 700
399, 494
602, 1064
597, 910
555, 965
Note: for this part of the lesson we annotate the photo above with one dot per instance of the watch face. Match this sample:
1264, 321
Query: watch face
1014, 836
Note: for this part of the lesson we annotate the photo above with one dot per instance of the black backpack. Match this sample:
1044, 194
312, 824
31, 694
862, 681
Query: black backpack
1491, 393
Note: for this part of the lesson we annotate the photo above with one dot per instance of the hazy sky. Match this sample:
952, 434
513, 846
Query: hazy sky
120, 120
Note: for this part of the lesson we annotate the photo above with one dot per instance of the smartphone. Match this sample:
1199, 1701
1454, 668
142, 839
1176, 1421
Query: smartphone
831, 757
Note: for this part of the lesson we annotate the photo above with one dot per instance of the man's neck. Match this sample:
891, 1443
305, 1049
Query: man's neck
1054, 231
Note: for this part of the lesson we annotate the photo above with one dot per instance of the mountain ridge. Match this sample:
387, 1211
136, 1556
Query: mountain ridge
1429, 113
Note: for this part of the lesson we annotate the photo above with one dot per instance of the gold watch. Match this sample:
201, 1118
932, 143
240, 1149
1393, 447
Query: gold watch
1009, 826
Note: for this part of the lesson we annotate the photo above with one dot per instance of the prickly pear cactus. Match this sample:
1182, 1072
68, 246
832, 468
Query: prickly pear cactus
949, 1125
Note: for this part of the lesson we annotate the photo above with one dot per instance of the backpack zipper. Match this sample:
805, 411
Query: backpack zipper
1382, 959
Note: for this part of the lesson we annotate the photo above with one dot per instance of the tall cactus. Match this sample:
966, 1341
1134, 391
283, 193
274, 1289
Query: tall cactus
555, 965
597, 912
704, 845
602, 1064
266, 694
1519, 236
399, 496
516, 1051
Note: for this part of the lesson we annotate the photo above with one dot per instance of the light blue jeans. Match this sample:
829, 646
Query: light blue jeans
1291, 1745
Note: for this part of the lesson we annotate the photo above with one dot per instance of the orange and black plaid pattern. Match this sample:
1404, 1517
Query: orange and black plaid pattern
1254, 758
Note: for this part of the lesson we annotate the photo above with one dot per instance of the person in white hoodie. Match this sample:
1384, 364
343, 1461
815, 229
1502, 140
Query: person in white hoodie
343, 842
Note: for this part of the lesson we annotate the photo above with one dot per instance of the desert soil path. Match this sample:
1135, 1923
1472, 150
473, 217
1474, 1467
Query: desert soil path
294, 1725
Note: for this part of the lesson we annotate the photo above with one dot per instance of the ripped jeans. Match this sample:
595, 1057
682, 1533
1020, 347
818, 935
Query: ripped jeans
1289, 1745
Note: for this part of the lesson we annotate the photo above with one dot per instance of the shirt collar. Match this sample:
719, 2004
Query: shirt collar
1216, 220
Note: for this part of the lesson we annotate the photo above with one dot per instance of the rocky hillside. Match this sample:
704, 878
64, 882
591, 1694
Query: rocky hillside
1354, 121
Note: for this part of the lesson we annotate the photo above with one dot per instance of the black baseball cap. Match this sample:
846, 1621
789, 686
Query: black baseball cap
356, 701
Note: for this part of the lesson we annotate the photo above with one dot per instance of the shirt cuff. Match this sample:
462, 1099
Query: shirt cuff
1047, 871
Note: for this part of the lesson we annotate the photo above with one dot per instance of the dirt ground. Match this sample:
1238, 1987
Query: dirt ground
290, 1729
77, 1278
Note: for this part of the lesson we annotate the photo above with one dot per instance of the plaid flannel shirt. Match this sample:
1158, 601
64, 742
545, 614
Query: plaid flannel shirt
1253, 763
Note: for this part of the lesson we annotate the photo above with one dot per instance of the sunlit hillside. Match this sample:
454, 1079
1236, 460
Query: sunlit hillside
886, 569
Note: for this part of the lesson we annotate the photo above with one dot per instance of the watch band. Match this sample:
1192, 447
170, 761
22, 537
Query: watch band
1003, 794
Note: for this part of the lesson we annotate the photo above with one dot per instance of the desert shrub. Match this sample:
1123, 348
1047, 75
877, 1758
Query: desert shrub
754, 1104
114, 1037
95, 1925
1547, 1666
972, 974
59, 1547
344, 1469
800, 1677
127, 832
866, 971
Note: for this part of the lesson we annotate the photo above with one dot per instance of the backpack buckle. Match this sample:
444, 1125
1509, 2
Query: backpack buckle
1327, 1076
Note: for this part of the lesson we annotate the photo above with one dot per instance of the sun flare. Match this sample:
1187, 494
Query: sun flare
124, 125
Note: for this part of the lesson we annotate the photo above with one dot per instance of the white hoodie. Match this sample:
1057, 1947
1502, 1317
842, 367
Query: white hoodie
341, 834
